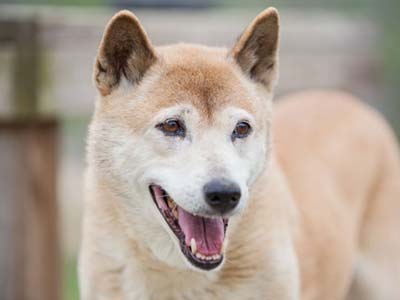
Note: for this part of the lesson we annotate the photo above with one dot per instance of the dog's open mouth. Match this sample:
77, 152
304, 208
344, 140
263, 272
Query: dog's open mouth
201, 238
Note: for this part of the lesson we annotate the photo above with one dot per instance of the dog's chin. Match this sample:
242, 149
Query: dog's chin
201, 239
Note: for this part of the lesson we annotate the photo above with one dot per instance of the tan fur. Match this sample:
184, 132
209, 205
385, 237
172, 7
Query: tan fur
322, 218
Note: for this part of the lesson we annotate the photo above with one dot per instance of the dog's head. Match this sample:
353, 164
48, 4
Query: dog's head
181, 133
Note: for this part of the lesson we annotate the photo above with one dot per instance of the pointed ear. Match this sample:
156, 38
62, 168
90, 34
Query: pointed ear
256, 51
125, 50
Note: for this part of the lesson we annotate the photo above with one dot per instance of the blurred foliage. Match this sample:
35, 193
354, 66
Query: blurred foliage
388, 18
70, 282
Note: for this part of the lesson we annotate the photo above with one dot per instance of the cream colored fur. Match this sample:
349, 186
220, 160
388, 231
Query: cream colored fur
319, 216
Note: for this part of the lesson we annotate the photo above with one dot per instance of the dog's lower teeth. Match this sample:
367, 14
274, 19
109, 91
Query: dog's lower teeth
223, 248
208, 258
193, 246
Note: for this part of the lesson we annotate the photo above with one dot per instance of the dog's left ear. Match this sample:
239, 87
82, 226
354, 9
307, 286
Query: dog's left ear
256, 51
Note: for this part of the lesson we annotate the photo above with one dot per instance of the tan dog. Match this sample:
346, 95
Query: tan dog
195, 190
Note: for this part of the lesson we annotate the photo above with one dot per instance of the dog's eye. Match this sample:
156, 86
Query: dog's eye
242, 130
172, 127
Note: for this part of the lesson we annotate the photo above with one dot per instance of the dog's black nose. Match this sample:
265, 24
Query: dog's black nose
222, 195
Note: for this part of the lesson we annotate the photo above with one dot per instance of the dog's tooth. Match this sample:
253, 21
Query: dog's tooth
198, 255
223, 248
193, 246
175, 212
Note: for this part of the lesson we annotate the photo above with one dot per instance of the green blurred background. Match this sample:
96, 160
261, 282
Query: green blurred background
348, 44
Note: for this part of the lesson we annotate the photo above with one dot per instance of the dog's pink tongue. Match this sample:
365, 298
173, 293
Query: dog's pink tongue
208, 233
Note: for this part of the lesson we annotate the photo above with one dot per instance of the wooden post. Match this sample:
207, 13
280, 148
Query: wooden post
29, 253
29, 263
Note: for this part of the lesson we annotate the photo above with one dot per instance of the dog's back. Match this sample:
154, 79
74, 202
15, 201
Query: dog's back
342, 166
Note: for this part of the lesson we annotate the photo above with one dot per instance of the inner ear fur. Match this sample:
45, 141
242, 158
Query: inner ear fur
256, 51
125, 50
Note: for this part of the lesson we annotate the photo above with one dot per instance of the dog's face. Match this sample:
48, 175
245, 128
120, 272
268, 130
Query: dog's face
180, 135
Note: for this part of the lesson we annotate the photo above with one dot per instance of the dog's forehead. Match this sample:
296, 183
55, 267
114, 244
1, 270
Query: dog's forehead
202, 77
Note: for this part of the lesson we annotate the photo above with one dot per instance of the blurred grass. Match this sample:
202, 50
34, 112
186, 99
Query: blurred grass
74, 130
70, 280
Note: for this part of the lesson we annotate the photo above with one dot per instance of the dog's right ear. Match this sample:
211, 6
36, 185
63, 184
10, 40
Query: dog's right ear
125, 50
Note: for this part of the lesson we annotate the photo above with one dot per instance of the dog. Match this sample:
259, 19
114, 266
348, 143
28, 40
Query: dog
199, 187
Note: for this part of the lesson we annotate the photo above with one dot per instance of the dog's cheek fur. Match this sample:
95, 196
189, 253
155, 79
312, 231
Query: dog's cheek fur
121, 158
252, 152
